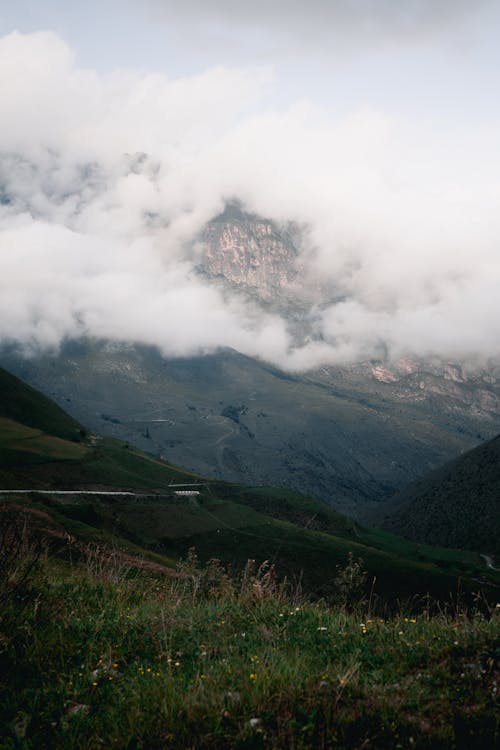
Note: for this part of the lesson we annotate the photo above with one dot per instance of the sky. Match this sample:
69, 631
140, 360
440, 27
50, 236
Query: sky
374, 124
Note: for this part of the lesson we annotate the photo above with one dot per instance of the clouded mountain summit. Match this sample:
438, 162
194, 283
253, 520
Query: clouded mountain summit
109, 174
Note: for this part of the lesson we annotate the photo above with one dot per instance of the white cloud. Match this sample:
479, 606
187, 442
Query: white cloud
106, 179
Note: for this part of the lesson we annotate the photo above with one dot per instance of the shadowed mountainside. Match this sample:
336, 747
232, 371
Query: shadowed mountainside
351, 436
457, 505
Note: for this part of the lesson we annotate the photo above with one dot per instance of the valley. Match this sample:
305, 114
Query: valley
341, 434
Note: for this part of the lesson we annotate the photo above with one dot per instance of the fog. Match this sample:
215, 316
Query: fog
107, 180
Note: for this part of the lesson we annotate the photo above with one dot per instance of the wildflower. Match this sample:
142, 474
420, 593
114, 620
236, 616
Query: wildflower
94, 684
253, 676
254, 723
321, 628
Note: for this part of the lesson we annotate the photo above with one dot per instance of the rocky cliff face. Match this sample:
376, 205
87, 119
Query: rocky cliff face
254, 255
250, 254
447, 389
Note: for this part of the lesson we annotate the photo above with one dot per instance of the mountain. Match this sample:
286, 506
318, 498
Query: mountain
457, 505
133, 502
352, 436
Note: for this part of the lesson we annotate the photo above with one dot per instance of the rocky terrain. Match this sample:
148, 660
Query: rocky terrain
251, 254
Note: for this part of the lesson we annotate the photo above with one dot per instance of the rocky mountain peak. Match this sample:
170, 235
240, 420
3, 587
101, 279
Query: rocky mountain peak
250, 253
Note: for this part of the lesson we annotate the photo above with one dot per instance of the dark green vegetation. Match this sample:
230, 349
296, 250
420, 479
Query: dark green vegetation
113, 633
304, 537
456, 506
95, 652
21, 403
350, 436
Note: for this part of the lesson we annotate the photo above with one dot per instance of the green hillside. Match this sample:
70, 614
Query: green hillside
455, 506
21, 403
304, 537
114, 632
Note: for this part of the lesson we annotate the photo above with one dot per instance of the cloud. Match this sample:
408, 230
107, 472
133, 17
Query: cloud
333, 24
107, 180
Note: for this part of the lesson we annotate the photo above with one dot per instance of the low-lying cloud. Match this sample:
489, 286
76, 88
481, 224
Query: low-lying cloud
107, 180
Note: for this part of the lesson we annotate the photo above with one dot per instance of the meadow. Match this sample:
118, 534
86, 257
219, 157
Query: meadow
97, 652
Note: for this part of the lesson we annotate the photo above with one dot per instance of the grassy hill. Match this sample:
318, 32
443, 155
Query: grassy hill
456, 506
21, 403
302, 536
114, 633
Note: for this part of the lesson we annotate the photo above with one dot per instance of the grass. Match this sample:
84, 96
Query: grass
96, 654
21, 403
168, 527
16, 437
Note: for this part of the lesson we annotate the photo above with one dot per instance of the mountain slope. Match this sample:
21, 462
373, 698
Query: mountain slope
304, 537
20, 402
456, 506
351, 436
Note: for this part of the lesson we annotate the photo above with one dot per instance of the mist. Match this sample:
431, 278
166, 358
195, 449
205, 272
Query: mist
107, 180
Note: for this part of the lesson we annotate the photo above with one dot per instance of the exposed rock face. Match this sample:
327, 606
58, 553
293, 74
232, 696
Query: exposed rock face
446, 387
251, 254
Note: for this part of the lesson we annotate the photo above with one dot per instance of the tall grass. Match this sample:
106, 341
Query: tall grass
95, 655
